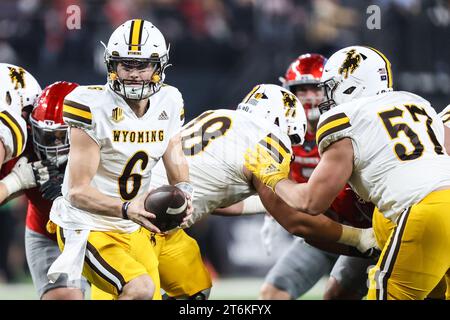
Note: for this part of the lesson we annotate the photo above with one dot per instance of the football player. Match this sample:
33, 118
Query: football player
214, 144
118, 132
302, 265
18, 92
43, 164
389, 146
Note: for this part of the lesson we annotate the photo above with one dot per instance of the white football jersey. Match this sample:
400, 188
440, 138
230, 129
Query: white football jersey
214, 144
398, 141
445, 116
13, 133
129, 148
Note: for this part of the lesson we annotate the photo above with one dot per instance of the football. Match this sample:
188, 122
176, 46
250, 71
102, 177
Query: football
169, 204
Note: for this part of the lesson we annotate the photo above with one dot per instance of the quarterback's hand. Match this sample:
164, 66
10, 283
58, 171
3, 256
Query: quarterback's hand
264, 166
136, 212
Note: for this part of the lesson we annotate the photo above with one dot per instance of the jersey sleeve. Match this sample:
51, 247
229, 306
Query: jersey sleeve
177, 110
332, 126
13, 134
445, 116
277, 143
78, 114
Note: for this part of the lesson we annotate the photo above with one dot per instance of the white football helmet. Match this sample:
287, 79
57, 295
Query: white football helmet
136, 43
279, 106
18, 88
355, 72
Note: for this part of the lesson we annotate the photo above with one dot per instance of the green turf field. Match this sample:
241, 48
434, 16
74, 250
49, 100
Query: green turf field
223, 289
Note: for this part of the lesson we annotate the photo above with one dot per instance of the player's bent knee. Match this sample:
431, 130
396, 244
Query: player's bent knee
63, 294
140, 288
334, 291
270, 292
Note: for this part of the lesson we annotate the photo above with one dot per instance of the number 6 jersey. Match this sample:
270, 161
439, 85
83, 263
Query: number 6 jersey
129, 148
397, 140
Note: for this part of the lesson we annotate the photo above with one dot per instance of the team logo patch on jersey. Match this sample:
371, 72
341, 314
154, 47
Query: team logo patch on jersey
350, 64
163, 116
117, 114
17, 77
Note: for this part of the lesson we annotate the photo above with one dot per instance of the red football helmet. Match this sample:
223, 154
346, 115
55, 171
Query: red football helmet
50, 138
305, 72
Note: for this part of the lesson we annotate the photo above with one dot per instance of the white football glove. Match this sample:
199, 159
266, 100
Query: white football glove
269, 232
367, 241
362, 239
21, 177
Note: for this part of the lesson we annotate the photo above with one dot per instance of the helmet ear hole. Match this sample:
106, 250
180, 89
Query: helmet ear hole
277, 121
8, 98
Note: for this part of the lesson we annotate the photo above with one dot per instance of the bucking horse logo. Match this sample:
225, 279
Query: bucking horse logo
350, 64
17, 77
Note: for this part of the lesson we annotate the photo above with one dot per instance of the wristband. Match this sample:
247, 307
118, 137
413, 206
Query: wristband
186, 187
125, 206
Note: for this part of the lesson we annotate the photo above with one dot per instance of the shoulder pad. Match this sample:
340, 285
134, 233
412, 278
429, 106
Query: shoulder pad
332, 126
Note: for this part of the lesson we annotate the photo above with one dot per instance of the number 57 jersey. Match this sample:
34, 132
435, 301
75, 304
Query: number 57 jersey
397, 140
214, 144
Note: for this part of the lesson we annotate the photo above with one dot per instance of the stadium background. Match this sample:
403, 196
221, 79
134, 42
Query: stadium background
219, 50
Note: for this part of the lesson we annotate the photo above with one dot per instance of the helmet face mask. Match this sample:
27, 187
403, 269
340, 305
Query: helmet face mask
136, 45
49, 140
50, 133
329, 86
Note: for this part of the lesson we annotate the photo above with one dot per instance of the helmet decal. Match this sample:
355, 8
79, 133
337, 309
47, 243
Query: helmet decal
17, 76
350, 64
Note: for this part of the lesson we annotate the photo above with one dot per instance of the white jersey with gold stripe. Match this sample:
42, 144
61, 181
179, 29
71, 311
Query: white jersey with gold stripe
445, 116
13, 133
129, 148
398, 143
214, 144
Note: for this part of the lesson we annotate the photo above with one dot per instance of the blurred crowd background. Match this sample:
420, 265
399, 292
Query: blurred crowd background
219, 50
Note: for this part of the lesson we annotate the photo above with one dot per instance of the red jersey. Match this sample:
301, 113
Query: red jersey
38, 208
305, 160
348, 207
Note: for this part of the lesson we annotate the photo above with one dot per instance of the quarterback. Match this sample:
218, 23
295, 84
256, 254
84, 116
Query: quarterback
118, 132
389, 146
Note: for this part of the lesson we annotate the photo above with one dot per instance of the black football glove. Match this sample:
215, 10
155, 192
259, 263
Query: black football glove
51, 189
49, 177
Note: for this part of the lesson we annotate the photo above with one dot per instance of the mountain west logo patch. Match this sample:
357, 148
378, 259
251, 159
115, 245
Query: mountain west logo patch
17, 77
350, 64
117, 114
